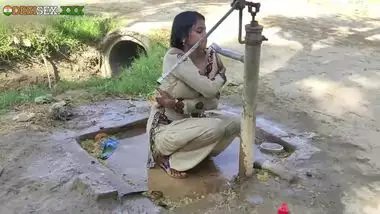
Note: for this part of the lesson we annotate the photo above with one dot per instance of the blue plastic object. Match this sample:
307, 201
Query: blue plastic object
108, 146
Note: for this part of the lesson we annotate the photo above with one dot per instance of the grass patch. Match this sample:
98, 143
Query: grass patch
84, 29
92, 147
24, 41
160, 36
27, 94
137, 80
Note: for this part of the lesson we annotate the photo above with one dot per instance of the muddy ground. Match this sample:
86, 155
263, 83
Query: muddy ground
319, 73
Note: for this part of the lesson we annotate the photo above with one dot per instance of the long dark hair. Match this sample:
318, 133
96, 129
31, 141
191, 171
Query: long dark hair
181, 27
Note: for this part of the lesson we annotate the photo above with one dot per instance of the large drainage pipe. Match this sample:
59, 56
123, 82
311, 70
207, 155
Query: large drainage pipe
119, 49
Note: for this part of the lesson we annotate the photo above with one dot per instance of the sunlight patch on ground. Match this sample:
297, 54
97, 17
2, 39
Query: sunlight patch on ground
146, 27
342, 31
48, 2
297, 8
375, 22
275, 53
278, 51
273, 62
364, 199
334, 97
229, 28
319, 45
373, 37
363, 29
327, 42
368, 83
151, 10
278, 40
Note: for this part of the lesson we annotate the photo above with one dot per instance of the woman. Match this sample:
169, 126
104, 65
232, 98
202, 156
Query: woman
181, 129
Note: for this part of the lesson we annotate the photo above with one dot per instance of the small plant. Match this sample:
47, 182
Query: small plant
61, 34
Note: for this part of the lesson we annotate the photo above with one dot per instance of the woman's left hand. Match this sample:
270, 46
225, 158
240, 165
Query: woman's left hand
221, 72
221, 69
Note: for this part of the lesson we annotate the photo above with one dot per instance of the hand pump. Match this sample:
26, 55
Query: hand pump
253, 40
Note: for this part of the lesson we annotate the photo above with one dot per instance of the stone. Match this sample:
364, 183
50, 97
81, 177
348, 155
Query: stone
95, 186
263, 176
309, 135
255, 199
280, 170
289, 193
24, 117
44, 99
16, 41
362, 159
26, 43
60, 111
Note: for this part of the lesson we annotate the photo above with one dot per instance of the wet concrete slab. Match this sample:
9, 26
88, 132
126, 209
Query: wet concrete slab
297, 144
212, 175
129, 160
108, 115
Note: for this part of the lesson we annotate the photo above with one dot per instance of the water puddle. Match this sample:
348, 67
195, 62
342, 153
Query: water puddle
212, 175
130, 158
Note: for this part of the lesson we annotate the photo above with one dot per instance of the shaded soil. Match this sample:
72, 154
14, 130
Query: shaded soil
82, 65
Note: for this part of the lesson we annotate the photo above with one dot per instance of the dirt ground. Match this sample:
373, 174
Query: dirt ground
319, 73
82, 65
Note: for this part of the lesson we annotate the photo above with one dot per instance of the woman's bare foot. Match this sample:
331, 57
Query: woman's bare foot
171, 172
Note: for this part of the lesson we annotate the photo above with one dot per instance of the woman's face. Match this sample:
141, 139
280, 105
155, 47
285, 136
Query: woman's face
197, 32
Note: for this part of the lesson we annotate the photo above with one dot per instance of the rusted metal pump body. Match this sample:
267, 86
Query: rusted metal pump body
253, 40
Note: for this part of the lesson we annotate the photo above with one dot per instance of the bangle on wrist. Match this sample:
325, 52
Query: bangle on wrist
179, 105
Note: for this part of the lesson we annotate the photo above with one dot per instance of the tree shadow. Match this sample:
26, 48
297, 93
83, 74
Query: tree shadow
327, 81
153, 10
341, 65
333, 30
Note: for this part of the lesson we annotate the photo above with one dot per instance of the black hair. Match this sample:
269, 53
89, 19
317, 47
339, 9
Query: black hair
182, 26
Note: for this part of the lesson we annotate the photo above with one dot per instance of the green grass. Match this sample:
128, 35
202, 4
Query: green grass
12, 97
58, 34
65, 35
83, 29
137, 80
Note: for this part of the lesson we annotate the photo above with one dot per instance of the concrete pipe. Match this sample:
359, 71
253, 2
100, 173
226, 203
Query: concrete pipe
119, 49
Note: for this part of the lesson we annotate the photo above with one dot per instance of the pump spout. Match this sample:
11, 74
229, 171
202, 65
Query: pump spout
228, 53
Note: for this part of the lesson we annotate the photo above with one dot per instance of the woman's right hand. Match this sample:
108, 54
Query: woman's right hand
167, 101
